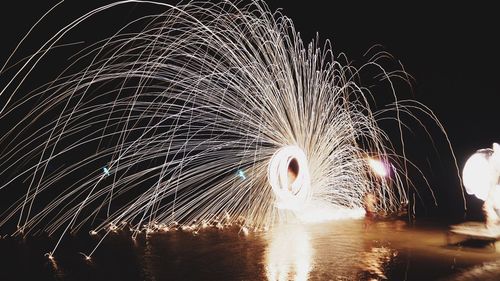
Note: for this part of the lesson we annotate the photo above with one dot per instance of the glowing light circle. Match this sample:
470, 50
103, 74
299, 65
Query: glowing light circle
288, 175
378, 167
478, 174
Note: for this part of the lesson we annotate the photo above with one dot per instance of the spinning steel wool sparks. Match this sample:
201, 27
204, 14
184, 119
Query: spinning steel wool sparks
202, 92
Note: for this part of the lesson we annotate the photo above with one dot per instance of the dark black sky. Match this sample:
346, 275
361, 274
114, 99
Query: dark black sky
451, 51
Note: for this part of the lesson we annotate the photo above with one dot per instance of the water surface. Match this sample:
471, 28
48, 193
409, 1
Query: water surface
339, 250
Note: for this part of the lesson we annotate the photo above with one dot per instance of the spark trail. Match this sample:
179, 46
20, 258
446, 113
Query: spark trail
211, 114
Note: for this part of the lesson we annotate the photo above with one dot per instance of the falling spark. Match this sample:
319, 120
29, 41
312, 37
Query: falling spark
245, 230
87, 258
50, 256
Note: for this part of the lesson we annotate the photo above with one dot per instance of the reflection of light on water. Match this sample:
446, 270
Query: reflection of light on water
147, 262
57, 271
289, 253
486, 271
375, 260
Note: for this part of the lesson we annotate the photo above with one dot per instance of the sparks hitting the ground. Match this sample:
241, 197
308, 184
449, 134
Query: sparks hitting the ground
202, 91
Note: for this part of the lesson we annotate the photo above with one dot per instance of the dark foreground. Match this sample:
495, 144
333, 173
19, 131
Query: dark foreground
341, 250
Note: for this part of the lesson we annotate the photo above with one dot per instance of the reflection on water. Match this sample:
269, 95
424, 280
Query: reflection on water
339, 250
375, 260
486, 271
289, 253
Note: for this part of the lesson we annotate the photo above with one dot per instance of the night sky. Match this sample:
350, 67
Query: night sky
451, 51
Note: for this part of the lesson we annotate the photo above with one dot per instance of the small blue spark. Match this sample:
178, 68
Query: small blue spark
241, 174
106, 171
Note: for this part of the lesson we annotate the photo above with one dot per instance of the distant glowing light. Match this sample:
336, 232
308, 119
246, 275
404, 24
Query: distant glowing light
475, 176
481, 173
378, 167
105, 170
481, 178
242, 175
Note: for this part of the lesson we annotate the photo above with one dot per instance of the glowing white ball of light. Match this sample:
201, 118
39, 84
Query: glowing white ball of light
476, 176
378, 167
288, 175
481, 172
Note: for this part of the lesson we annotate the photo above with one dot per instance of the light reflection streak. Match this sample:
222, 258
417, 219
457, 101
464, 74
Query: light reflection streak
375, 261
289, 253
